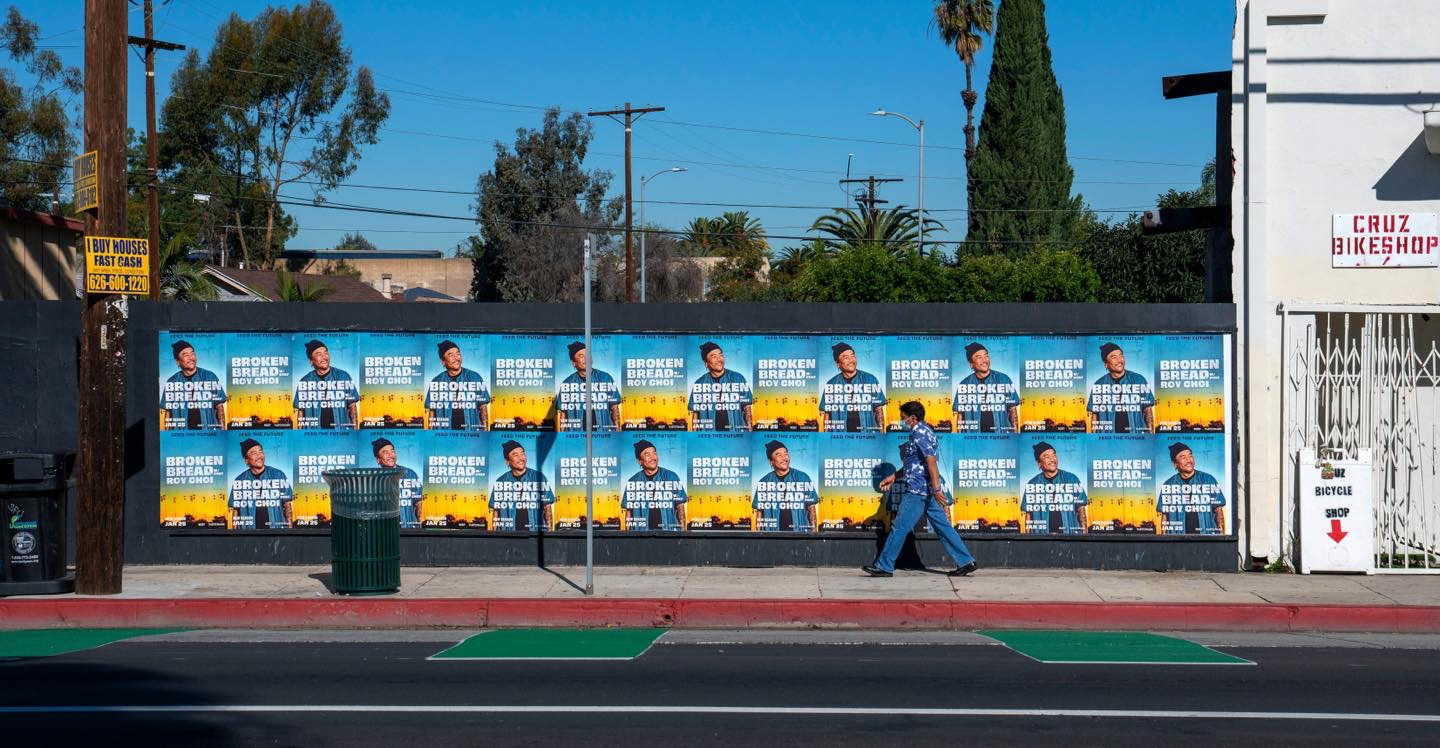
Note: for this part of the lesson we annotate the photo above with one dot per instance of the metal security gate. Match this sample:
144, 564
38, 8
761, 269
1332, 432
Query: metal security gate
1358, 377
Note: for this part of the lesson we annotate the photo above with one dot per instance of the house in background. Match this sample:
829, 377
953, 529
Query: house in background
263, 285
396, 272
37, 255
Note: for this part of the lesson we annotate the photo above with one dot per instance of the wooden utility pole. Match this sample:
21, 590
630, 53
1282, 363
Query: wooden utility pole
871, 201
152, 178
100, 469
630, 116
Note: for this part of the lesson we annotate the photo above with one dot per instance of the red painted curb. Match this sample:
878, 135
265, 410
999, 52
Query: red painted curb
382, 613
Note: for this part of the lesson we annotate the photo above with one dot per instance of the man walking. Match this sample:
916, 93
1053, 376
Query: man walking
919, 475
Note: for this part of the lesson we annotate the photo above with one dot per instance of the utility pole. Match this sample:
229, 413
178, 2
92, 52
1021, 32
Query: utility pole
152, 178
100, 469
630, 116
871, 201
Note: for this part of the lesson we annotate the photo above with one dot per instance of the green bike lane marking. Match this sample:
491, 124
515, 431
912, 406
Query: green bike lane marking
1110, 648
50, 642
553, 644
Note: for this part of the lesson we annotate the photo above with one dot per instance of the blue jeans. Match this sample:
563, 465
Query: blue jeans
912, 505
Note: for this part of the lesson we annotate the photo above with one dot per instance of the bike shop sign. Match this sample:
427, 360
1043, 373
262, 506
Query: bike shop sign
1385, 240
1336, 513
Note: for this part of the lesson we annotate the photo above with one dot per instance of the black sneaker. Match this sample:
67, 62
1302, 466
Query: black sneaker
876, 571
965, 571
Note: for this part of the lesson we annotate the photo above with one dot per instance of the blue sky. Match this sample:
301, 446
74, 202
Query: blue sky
808, 68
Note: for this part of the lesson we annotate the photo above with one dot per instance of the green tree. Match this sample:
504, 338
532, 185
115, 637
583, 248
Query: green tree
181, 279
36, 139
872, 273
290, 288
1020, 172
897, 229
963, 25
277, 101
1040, 274
1135, 268
535, 206
739, 240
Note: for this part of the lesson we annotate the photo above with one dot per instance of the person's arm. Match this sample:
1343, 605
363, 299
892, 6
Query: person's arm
822, 421
163, 415
1092, 418
560, 421
810, 515
749, 418
1083, 512
548, 513
1220, 518
220, 415
234, 518
959, 422
880, 416
694, 421
355, 414
932, 468
419, 503
296, 423
680, 516
1014, 411
615, 415
1150, 418
485, 417
288, 507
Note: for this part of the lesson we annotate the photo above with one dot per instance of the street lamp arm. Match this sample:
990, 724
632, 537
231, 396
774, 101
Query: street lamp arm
883, 113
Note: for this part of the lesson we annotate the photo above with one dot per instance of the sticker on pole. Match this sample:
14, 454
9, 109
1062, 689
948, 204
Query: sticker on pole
87, 181
1336, 520
117, 265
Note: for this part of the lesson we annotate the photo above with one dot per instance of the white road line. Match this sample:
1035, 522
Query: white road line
759, 710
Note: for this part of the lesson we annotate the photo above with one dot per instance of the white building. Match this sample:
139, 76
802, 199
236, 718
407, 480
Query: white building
1329, 121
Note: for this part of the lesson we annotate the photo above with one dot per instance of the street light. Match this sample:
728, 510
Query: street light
921, 127
643, 231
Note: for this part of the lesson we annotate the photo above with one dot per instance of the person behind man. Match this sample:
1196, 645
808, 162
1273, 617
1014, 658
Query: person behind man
654, 498
1190, 501
412, 497
192, 398
1121, 401
456, 398
720, 399
923, 495
521, 498
785, 499
604, 396
326, 397
853, 400
986, 401
261, 497
1054, 500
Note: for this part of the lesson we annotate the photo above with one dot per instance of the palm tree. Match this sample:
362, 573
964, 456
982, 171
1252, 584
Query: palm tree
963, 24
288, 288
181, 279
898, 229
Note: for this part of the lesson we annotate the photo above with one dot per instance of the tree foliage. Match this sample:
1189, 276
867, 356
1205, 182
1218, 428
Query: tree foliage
963, 25
289, 288
739, 240
37, 141
276, 102
1040, 274
180, 278
1020, 172
897, 229
872, 273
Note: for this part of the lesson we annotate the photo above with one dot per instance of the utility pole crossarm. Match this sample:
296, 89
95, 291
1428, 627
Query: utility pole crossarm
148, 43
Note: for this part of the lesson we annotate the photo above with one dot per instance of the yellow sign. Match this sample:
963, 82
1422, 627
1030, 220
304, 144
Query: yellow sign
117, 265
87, 181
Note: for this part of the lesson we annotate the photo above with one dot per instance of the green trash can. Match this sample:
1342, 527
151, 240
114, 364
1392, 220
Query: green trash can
365, 530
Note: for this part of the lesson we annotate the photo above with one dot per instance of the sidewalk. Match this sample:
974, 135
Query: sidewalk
717, 597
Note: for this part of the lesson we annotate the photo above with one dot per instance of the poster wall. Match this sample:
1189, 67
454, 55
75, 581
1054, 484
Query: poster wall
1057, 434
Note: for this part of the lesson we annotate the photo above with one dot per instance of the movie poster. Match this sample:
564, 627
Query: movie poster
654, 382
1054, 476
522, 496
653, 494
987, 372
259, 381
403, 451
1121, 376
786, 383
719, 481
1052, 385
457, 382
457, 482
1190, 386
1122, 484
720, 395
604, 390
193, 480
783, 488
1194, 480
192, 381
392, 380
919, 370
260, 494
522, 383
852, 390
986, 482
327, 392
565, 466
317, 451
850, 473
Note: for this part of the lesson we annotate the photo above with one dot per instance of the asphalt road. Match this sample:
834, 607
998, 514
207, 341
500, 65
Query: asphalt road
267, 690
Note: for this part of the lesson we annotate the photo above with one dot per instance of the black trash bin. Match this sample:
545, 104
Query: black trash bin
33, 489
364, 530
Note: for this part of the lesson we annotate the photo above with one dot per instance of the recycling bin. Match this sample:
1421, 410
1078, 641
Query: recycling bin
364, 530
33, 489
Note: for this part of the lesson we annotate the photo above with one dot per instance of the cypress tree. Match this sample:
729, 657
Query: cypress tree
1020, 163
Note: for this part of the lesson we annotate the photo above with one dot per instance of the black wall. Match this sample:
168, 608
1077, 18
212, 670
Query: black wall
39, 345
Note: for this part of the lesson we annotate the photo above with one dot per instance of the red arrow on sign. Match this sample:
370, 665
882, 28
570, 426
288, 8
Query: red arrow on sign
1336, 534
